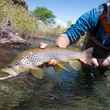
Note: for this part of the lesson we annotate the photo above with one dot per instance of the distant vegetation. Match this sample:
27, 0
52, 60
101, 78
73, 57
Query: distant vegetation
18, 16
39, 22
44, 14
46, 22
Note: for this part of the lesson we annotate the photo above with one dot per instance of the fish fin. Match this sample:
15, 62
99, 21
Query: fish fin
10, 72
75, 64
7, 77
60, 66
86, 56
37, 72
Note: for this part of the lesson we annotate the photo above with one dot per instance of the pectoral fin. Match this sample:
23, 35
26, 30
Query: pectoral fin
60, 66
11, 73
75, 64
37, 72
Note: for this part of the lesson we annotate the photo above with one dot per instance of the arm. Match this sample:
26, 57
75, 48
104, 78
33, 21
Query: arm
85, 23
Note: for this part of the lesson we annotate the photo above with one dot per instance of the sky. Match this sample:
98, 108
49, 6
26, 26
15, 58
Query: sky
65, 10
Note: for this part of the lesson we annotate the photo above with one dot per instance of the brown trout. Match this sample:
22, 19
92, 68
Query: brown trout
30, 60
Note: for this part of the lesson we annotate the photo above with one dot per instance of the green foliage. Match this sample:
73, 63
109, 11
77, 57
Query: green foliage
21, 20
25, 23
44, 14
69, 23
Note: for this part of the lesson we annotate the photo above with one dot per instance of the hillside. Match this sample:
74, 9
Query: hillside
16, 13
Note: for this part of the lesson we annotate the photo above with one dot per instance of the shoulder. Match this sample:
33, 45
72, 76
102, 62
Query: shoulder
99, 10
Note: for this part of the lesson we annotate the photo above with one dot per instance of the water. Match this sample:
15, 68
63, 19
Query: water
74, 90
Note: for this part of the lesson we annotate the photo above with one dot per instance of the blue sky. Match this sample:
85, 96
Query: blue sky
65, 10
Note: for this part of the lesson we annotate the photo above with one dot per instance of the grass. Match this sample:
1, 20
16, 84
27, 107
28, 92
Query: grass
20, 18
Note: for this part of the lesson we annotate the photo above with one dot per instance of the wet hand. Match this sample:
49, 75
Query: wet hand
62, 41
94, 62
105, 63
52, 62
43, 45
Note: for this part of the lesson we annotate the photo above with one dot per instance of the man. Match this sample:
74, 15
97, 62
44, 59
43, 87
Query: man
96, 22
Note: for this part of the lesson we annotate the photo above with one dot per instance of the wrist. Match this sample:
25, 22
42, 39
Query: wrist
66, 38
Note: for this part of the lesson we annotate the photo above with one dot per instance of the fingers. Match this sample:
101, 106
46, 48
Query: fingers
43, 45
105, 63
62, 41
95, 62
52, 62
102, 62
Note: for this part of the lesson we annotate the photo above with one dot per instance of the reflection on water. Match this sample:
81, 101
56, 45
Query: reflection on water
65, 80
76, 92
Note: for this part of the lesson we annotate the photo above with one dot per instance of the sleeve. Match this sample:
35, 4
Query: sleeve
85, 23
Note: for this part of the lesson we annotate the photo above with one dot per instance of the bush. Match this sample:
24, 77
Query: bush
20, 18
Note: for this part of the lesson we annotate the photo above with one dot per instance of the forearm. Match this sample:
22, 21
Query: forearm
86, 23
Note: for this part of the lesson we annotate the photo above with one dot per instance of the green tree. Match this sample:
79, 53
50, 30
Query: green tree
69, 23
44, 14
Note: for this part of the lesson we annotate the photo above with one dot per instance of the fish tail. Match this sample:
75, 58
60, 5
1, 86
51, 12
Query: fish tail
86, 56
63, 67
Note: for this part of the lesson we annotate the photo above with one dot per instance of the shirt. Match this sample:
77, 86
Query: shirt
87, 23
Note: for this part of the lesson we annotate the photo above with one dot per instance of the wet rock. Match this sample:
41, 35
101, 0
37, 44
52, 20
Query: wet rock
8, 35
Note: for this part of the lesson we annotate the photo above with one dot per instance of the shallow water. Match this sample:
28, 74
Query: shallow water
73, 90
78, 94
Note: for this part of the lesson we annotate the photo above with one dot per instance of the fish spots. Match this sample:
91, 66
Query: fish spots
36, 59
25, 61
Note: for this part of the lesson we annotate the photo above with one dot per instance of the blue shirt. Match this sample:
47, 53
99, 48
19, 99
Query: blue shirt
86, 23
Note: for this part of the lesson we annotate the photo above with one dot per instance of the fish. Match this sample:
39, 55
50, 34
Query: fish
30, 60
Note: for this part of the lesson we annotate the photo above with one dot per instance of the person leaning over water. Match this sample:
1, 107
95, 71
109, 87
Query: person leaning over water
96, 23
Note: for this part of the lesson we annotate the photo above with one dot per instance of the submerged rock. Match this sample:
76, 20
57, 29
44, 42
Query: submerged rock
17, 93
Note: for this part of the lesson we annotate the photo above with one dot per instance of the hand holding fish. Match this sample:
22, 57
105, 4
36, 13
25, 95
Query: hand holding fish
61, 42
52, 61
43, 45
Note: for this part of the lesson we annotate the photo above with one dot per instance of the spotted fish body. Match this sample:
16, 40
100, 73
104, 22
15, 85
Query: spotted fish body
33, 58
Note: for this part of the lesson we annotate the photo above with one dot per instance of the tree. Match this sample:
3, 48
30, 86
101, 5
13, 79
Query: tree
69, 23
44, 14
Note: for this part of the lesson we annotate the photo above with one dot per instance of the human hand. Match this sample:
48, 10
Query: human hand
105, 63
43, 45
51, 61
62, 41
94, 62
